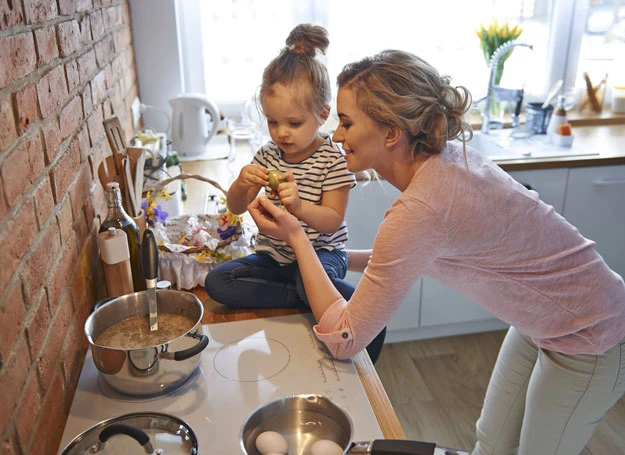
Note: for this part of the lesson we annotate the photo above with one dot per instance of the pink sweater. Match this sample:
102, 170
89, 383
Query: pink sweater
483, 234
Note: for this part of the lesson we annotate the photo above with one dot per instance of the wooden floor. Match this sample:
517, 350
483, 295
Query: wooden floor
437, 386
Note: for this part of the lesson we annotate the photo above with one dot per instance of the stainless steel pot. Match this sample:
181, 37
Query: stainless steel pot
147, 371
305, 419
150, 430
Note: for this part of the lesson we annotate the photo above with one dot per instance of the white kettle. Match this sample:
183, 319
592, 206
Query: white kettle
195, 120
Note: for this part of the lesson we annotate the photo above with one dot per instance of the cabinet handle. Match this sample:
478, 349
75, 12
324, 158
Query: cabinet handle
606, 182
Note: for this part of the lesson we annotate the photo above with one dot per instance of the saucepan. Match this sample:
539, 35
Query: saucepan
157, 433
303, 421
135, 368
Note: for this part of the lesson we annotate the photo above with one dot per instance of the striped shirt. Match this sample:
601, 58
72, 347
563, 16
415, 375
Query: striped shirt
324, 170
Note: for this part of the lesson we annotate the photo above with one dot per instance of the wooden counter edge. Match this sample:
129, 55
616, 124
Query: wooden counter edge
380, 403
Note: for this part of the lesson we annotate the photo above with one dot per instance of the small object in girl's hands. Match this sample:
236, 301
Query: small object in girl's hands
565, 130
275, 179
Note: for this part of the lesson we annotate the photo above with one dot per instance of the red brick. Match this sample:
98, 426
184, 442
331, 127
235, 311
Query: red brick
66, 7
64, 172
123, 38
52, 90
49, 426
104, 50
97, 24
71, 117
52, 138
38, 325
83, 5
69, 37
96, 129
44, 202
22, 167
12, 316
12, 380
8, 131
74, 350
10, 14
65, 219
28, 411
17, 54
85, 31
26, 101
72, 74
43, 256
98, 88
17, 238
47, 46
111, 16
9, 446
87, 66
39, 11
59, 276
53, 342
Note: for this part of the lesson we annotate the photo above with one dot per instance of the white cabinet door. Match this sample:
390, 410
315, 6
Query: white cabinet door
595, 204
368, 202
441, 305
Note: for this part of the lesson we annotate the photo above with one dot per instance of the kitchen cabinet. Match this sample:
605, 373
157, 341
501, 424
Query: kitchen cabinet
595, 204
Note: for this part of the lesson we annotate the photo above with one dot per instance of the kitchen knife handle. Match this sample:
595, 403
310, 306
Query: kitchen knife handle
149, 256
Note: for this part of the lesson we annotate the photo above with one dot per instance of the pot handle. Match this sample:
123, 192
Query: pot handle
393, 447
130, 430
189, 352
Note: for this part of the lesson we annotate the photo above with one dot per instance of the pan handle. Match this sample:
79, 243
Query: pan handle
130, 430
393, 447
189, 352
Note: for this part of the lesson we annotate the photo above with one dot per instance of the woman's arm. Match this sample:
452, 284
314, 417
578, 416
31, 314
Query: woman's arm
277, 222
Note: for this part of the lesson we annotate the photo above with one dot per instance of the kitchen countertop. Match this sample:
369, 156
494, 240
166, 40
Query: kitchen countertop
380, 403
608, 140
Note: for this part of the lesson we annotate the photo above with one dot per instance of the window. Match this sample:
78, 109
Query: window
239, 38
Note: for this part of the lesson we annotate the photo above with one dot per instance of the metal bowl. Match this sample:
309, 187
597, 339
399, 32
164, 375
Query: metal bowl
301, 419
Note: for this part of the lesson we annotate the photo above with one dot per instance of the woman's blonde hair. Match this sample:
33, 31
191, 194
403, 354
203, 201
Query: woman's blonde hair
298, 63
398, 89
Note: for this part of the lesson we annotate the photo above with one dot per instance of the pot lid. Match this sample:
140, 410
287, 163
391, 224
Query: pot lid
136, 433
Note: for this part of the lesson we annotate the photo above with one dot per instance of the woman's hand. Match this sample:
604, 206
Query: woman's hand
273, 220
288, 194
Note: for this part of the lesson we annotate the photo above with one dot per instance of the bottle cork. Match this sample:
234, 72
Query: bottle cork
115, 255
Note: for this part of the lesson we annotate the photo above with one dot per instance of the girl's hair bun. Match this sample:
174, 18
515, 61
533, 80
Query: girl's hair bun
307, 39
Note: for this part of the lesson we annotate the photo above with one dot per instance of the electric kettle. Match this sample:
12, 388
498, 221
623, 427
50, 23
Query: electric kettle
195, 120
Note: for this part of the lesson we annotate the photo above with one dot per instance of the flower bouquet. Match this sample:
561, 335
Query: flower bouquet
493, 36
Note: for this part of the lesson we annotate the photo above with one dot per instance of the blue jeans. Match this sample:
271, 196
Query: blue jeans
258, 281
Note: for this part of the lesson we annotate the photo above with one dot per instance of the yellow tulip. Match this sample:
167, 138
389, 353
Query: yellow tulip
479, 34
491, 30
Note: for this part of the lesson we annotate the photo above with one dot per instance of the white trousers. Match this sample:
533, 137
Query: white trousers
541, 402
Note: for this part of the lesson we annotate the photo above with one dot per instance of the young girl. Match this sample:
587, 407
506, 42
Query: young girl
295, 96
463, 221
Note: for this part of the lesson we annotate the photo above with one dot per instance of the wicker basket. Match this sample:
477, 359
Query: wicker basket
191, 245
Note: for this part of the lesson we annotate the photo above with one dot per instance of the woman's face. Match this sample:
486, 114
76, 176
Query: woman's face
361, 137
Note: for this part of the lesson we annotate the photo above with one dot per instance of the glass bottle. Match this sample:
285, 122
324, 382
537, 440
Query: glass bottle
119, 219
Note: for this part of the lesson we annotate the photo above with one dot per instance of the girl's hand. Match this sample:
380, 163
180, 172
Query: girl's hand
253, 176
273, 220
289, 196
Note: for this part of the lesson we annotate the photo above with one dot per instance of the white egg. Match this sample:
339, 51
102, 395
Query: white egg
270, 442
325, 447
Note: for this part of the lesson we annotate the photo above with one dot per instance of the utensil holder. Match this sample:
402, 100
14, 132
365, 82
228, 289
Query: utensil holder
141, 223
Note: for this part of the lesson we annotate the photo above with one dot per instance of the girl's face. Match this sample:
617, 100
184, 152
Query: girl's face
361, 137
291, 125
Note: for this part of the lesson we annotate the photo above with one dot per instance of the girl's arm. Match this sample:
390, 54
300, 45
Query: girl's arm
357, 260
326, 217
246, 187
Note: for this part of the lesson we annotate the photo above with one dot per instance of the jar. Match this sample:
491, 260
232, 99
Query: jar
618, 99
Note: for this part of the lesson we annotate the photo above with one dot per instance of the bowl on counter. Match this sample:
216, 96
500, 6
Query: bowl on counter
562, 141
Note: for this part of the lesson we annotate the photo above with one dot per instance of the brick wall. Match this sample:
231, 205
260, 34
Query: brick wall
65, 65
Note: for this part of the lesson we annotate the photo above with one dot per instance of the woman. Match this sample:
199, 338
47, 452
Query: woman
463, 221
